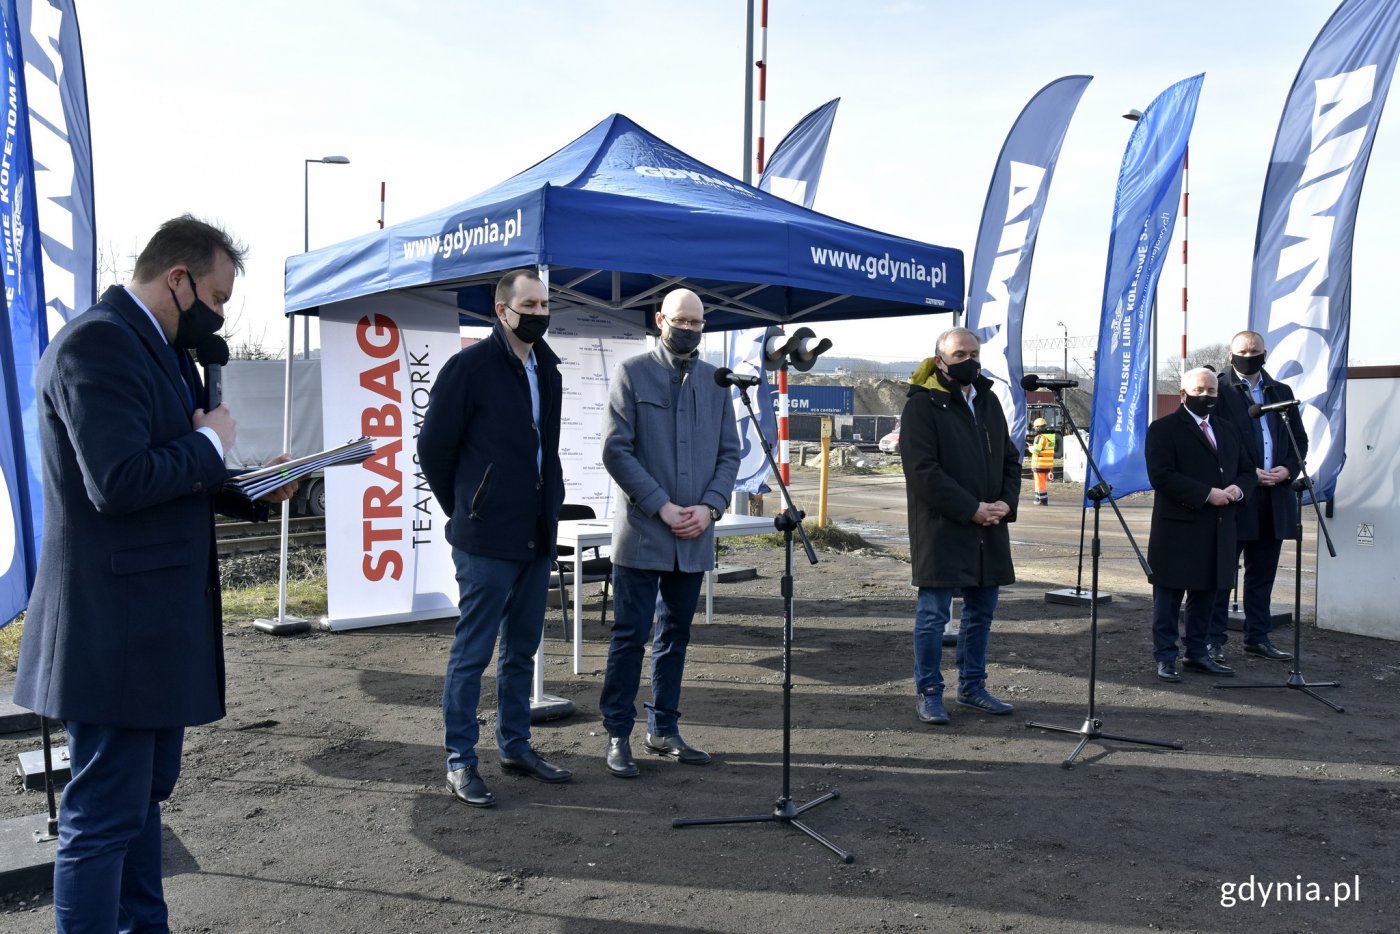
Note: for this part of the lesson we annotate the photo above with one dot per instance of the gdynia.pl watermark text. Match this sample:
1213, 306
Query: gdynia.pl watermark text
1258, 893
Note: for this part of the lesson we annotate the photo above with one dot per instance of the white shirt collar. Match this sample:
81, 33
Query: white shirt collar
152, 318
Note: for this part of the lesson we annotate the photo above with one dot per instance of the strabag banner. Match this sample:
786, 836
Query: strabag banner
387, 559
1144, 214
1300, 291
1001, 267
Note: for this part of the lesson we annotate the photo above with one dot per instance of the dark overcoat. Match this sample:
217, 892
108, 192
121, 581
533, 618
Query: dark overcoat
1279, 502
1192, 544
953, 462
124, 626
496, 474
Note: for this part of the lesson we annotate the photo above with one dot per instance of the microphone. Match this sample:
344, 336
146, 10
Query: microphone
1030, 382
212, 354
1258, 411
724, 376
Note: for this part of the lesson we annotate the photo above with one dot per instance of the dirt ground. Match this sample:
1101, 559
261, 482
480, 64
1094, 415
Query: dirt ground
318, 804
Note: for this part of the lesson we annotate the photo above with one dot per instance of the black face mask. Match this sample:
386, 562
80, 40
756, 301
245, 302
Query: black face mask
1200, 406
965, 371
1247, 366
530, 328
680, 342
196, 322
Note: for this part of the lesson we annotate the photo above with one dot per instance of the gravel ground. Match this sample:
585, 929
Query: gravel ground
318, 804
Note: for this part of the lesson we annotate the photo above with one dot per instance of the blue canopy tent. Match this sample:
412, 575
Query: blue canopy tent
620, 217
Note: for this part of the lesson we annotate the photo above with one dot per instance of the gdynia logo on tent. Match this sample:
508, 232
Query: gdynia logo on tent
458, 242
883, 267
651, 171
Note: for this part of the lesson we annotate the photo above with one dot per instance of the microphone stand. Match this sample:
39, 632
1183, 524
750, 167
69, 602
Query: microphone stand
784, 810
1090, 730
1295, 680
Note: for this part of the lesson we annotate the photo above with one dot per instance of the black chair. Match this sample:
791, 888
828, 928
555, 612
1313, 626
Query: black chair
595, 569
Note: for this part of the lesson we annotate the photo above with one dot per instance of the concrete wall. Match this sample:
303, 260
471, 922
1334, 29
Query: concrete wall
1357, 590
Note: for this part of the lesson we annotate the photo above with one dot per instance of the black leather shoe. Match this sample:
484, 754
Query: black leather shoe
530, 764
620, 761
468, 787
1206, 665
676, 748
1216, 653
1167, 672
1266, 649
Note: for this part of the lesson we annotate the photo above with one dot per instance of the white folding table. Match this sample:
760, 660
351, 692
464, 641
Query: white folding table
588, 533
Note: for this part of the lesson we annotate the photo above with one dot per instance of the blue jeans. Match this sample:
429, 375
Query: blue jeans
107, 870
930, 616
505, 601
639, 597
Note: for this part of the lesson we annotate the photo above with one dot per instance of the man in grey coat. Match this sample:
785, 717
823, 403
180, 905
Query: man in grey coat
962, 476
671, 446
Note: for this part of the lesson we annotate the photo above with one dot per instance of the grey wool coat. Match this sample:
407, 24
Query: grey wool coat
952, 462
667, 440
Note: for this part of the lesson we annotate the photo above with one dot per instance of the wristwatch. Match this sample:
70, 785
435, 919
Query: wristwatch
715, 514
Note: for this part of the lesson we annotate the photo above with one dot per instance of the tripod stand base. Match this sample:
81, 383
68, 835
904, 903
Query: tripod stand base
26, 854
1235, 620
1089, 731
1073, 596
784, 812
1295, 682
548, 707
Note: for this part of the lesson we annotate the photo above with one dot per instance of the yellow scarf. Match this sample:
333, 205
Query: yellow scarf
926, 375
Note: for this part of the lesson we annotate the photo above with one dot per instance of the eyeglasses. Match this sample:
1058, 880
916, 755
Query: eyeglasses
685, 324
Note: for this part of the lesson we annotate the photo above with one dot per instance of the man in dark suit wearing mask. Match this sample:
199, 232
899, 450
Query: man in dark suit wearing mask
123, 640
1269, 514
1200, 472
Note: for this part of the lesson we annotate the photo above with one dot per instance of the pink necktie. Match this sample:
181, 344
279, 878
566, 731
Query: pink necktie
1205, 426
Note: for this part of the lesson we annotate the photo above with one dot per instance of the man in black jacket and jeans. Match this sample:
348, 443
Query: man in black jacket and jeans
489, 448
963, 480
1269, 514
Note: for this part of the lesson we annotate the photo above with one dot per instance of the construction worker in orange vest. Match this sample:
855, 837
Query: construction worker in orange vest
1042, 461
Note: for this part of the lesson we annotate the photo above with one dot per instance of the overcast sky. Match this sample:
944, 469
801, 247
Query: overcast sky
212, 108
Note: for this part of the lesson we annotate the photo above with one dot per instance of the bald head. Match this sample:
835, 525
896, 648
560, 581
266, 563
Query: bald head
683, 303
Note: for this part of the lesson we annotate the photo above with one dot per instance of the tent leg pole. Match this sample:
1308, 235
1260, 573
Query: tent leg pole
285, 625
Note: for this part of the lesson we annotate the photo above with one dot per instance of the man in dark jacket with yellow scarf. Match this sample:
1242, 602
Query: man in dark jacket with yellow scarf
963, 479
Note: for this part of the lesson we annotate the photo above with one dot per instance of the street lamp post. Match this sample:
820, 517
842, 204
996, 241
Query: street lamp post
285, 625
306, 235
1062, 324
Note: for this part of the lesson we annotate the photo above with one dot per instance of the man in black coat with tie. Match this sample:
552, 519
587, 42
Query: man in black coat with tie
1199, 469
123, 640
1269, 514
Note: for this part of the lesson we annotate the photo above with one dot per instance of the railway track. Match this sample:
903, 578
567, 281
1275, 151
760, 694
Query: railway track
236, 538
